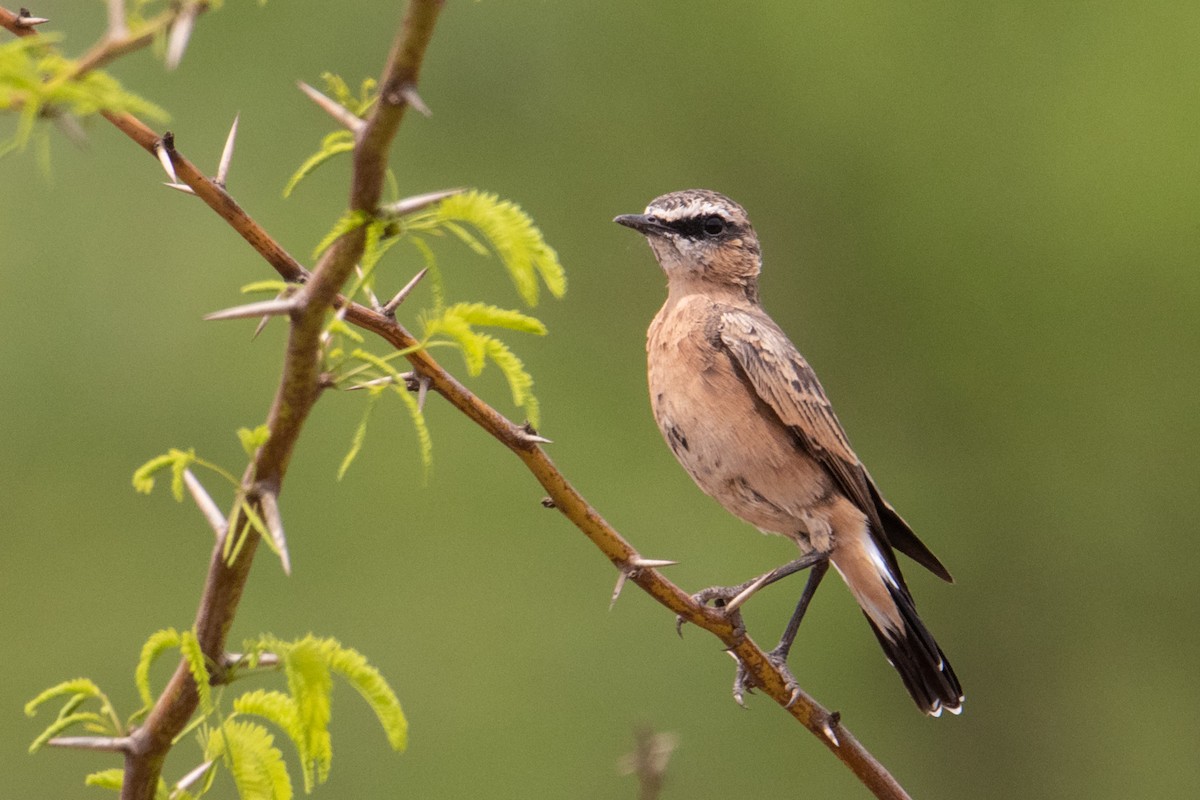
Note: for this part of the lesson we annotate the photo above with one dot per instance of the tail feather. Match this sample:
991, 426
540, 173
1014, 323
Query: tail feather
923, 667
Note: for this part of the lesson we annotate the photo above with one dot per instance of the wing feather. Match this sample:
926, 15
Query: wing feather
786, 383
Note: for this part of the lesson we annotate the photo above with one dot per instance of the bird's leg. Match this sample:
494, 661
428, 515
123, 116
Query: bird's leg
743, 682
780, 653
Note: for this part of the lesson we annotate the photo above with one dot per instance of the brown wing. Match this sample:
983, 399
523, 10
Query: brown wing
786, 383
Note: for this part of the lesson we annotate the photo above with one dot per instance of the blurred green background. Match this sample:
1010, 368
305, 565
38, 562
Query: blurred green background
980, 225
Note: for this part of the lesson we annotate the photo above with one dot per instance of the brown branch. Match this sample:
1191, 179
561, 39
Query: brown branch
298, 392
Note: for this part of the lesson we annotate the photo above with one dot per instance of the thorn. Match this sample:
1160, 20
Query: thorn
736, 603
268, 660
181, 187
25, 19
116, 20
370, 294
827, 726
190, 779
622, 576
270, 508
70, 127
422, 391
528, 434
417, 202
409, 94
162, 149
333, 108
227, 153
270, 308
638, 561
208, 507
389, 310
109, 744
384, 381
548, 502
262, 324
180, 34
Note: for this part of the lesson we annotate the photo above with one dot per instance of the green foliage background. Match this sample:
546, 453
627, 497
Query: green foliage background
980, 224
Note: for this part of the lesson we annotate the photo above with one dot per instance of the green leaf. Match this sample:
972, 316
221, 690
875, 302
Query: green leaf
272, 287
106, 779
252, 439
492, 316
511, 234
158, 642
61, 724
189, 646
520, 382
360, 433
275, 707
334, 144
424, 440
311, 687
177, 460
346, 223
369, 683
437, 287
76, 686
256, 764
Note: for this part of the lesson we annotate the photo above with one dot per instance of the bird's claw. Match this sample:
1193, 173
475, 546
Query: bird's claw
720, 597
745, 683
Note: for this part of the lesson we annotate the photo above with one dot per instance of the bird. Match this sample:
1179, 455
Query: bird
746, 417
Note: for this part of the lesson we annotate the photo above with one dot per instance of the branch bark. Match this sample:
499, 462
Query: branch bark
299, 389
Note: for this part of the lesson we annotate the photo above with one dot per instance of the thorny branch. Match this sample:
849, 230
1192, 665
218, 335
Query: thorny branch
298, 392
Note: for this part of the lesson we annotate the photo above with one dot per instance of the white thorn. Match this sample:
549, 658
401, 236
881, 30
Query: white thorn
422, 391
736, 603
370, 294
390, 309
417, 202
164, 158
28, 22
180, 187
269, 308
227, 153
116, 20
333, 108
212, 514
180, 34
638, 561
384, 381
622, 576
110, 744
274, 522
409, 93
829, 734
69, 124
190, 779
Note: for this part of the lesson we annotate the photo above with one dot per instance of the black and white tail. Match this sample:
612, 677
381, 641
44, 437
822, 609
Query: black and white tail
909, 646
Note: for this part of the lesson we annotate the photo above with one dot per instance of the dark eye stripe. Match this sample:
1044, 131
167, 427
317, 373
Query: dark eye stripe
693, 227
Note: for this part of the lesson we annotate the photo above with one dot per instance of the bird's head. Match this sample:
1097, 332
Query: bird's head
698, 235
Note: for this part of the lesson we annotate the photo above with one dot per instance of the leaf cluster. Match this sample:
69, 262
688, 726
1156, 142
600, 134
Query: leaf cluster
37, 81
233, 737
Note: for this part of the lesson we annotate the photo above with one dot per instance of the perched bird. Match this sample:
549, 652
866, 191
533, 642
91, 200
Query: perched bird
747, 418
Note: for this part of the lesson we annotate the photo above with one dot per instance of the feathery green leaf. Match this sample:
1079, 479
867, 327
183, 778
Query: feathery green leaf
255, 763
158, 642
334, 144
346, 223
189, 646
369, 683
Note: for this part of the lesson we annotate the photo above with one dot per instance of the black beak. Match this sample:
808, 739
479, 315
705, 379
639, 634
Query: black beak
641, 223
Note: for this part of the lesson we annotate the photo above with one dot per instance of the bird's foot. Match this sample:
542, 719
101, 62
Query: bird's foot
745, 683
727, 598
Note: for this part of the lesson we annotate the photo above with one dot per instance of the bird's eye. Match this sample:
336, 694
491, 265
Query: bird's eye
653, 220
714, 226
